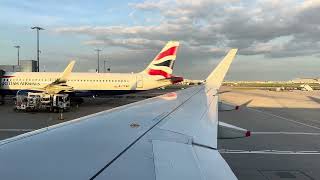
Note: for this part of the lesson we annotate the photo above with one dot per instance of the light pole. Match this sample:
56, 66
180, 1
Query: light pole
104, 65
38, 51
98, 54
18, 47
106, 69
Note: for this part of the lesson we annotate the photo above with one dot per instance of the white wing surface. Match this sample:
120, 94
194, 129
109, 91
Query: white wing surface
173, 136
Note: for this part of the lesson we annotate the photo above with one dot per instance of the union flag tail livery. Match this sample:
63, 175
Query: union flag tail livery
162, 64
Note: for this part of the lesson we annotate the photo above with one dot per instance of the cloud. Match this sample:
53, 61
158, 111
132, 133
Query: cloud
208, 28
251, 27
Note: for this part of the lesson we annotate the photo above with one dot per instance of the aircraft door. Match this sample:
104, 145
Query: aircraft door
139, 81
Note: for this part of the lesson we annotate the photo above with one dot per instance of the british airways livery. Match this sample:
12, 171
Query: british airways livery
157, 74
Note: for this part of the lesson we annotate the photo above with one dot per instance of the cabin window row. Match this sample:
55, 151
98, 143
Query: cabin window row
68, 80
102, 80
29, 79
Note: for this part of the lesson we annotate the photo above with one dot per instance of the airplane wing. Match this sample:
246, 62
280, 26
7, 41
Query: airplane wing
173, 136
59, 84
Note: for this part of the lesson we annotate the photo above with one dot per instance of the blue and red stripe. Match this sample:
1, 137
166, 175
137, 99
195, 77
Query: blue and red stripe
169, 52
159, 72
6, 77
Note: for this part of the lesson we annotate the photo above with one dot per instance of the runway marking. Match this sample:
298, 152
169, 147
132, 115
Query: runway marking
16, 130
283, 118
228, 151
285, 133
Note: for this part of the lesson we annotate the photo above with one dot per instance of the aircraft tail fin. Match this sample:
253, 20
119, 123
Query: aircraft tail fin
214, 80
162, 64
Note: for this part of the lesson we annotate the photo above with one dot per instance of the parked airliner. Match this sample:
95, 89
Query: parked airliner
157, 74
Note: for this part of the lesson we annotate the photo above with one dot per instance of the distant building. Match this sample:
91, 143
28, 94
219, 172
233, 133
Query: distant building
10, 68
28, 66
25, 66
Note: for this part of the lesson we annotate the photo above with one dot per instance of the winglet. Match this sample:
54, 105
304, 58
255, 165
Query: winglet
66, 72
214, 80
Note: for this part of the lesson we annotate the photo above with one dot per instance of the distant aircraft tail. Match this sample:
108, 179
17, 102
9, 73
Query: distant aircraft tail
162, 64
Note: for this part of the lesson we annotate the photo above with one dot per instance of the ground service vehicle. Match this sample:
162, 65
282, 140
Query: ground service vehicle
40, 101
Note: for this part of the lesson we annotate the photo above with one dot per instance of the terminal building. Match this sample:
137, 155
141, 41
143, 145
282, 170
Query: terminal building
25, 66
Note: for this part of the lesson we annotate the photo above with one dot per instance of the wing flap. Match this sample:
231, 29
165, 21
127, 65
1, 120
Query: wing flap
212, 164
175, 161
184, 161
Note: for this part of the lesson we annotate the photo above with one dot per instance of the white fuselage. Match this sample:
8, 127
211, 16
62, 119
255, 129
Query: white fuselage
83, 81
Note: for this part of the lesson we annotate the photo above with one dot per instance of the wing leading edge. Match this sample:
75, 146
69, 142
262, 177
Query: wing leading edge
166, 137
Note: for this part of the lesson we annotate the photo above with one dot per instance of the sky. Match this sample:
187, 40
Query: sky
277, 40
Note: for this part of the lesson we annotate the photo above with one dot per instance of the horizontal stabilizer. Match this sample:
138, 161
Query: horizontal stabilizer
173, 79
214, 80
228, 131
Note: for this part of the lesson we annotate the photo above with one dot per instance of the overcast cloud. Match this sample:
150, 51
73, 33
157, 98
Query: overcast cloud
269, 27
265, 31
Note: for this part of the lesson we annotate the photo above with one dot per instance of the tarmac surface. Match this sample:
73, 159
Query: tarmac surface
285, 141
